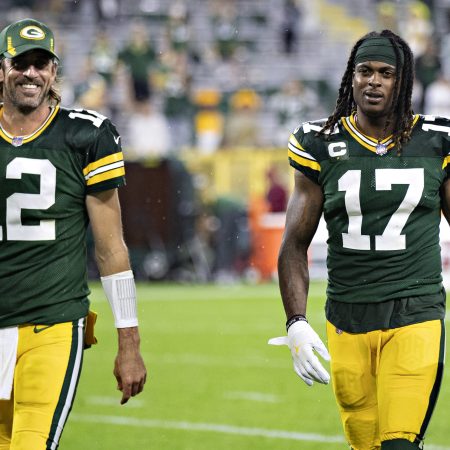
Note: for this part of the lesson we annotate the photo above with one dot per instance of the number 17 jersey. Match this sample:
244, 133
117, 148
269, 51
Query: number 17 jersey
382, 209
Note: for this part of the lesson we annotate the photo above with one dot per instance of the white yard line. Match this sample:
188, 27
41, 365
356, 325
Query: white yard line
112, 401
216, 428
253, 396
208, 427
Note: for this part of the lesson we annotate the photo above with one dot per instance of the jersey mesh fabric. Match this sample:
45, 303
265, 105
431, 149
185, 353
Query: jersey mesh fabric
382, 211
43, 276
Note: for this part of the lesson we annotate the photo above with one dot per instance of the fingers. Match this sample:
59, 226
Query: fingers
303, 375
282, 340
322, 350
316, 371
309, 365
131, 389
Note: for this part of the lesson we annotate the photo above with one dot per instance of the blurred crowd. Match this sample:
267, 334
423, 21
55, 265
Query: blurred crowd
217, 75
184, 72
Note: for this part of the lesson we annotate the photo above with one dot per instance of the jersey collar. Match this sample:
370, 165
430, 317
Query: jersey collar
367, 141
25, 139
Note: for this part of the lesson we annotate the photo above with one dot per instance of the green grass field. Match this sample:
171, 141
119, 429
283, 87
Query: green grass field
214, 383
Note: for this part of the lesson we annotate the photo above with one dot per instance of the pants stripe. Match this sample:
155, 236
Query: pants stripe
69, 386
437, 385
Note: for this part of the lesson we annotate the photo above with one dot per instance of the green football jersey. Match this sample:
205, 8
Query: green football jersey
44, 180
382, 210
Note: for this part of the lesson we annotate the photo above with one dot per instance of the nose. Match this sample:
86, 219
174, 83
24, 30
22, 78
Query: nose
30, 71
374, 80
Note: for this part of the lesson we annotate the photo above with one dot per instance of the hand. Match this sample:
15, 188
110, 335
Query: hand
302, 340
129, 367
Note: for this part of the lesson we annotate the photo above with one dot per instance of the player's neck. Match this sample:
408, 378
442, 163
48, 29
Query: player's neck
17, 123
375, 127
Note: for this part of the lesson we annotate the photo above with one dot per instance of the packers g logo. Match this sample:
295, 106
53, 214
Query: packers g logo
32, 32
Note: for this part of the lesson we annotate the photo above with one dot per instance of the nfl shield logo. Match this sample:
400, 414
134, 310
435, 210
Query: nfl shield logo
17, 141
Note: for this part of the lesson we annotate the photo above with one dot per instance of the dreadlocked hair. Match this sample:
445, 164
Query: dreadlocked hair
400, 110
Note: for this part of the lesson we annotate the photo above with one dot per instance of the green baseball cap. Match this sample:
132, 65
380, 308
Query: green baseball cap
24, 35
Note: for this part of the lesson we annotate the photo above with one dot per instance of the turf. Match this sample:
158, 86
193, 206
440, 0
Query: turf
214, 383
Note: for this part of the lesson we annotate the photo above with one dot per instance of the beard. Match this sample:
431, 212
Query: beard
23, 103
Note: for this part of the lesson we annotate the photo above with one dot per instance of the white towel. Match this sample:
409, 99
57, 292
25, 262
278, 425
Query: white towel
8, 353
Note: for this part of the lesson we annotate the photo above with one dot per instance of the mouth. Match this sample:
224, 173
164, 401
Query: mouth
29, 88
373, 97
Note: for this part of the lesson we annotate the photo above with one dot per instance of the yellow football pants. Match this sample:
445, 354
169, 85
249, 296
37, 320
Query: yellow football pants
386, 382
48, 366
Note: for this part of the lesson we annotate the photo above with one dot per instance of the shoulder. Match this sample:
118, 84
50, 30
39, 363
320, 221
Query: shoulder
305, 148
308, 137
434, 123
85, 126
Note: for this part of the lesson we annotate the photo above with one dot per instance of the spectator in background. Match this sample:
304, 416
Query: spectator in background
224, 23
230, 238
427, 67
437, 97
417, 26
178, 32
387, 15
277, 193
208, 121
242, 122
148, 134
103, 56
139, 56
291, 104
174, 83
290, 26
91, 90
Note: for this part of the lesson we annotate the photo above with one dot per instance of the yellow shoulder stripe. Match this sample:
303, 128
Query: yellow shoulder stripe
304, 162
293, 141
445, 162
106, 176
115, 157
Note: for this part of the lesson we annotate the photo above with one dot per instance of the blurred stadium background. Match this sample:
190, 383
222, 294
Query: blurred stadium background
205, 94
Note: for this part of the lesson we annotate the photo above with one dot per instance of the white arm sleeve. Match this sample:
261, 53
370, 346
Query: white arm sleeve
120, 291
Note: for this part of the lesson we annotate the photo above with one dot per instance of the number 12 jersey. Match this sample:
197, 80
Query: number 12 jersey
44, 180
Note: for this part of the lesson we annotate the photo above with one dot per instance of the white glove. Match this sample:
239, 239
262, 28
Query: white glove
302, 340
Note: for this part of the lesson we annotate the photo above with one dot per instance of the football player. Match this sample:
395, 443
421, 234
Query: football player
59, 169
379, 175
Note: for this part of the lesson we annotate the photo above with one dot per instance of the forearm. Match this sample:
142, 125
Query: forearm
112, 259
293, 275
302, 218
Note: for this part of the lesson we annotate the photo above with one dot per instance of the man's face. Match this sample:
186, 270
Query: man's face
28, 79
373, 86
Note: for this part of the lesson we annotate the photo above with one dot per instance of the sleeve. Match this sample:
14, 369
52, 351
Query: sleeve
105, 168
446, 161
300, 157
442, 124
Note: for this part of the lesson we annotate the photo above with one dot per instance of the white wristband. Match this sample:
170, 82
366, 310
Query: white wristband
120, 291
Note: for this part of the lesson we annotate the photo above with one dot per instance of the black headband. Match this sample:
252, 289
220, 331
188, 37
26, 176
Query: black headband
378, 48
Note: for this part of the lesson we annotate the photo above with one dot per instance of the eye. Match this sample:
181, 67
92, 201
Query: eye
22, 64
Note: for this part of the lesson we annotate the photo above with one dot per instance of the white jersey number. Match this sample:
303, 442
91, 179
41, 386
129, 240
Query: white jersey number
93, 116
391, 239
16, 231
